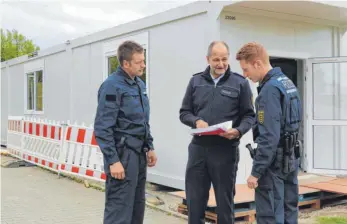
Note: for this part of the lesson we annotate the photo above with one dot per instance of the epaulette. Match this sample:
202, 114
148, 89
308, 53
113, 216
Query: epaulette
197, 73
239, 75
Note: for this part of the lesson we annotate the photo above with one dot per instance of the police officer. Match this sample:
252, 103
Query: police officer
278, 117
123, 134
214, 96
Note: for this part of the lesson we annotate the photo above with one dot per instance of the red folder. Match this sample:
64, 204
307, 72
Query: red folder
212, 130
215, 132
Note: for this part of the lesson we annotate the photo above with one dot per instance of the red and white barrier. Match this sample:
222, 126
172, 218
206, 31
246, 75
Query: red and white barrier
42, 143
14, 135
60, 147
82, 155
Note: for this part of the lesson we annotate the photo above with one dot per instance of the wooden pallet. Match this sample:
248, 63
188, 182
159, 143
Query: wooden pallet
309, 199
309, 205
313, 200
240, 216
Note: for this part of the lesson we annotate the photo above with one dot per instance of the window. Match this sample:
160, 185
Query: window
113, 63
34, 98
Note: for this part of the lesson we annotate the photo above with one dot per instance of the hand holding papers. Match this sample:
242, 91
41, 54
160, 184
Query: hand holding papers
213, 130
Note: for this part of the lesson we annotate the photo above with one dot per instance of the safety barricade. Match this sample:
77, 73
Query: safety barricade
42, 142
14, 135
82, 155
58, 146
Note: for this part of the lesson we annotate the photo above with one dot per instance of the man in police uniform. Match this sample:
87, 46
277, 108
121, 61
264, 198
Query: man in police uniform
123, 133
278, 117
214, 96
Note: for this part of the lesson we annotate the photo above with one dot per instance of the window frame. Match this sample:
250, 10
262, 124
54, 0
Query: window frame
34, 74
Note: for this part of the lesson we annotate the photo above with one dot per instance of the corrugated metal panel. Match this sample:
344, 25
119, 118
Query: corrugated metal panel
95, 78
56, 87
80, 84
16, 90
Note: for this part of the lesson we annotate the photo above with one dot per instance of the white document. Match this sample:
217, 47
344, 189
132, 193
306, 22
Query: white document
213, 130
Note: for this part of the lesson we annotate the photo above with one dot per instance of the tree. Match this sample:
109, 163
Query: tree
14, 44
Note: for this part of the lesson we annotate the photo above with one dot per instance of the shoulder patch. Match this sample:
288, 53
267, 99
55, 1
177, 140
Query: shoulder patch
197, 73
261, 116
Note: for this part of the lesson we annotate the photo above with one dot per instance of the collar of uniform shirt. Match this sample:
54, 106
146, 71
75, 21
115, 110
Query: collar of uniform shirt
215, 80
127, 77
272, 72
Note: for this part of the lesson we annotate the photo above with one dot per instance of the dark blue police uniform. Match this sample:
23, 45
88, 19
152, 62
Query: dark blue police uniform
215, 158
278, 117
123, 134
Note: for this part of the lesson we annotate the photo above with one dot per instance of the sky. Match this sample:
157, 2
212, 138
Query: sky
49, 22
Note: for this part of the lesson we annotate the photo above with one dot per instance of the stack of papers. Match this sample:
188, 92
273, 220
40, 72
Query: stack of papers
213, 130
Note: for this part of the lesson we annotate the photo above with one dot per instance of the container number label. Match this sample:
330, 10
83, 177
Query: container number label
230, 17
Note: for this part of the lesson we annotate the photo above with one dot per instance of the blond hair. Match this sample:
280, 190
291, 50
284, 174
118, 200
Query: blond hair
251, 52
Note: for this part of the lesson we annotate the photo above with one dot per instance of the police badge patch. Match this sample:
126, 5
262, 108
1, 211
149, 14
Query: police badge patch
261, 116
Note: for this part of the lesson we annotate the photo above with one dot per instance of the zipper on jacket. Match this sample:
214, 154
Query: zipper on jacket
214, 89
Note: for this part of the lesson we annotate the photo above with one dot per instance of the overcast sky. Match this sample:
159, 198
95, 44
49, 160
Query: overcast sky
50, 22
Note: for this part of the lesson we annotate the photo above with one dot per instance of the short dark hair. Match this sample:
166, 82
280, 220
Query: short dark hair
127, 49
210, 47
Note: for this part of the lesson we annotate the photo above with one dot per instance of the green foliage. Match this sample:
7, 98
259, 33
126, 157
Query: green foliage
39, 93
332, 220
112, 64
14, 44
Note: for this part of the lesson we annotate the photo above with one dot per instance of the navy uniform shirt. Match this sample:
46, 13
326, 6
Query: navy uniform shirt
123, 109
278, 110
229, 99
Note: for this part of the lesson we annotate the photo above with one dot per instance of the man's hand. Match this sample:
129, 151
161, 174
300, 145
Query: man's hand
201, 124
252, 182
231, 134
117, 171
151, 158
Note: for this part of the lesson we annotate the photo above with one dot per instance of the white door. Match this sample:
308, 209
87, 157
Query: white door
326, 116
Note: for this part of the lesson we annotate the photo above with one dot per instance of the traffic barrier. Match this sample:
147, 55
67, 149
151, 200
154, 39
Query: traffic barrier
58, 146
82, 155
42, 142
14, 135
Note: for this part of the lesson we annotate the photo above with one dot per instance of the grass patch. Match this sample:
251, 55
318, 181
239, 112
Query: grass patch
332, 220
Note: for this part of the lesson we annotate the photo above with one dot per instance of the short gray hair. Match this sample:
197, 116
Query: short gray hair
210, 47
127, 49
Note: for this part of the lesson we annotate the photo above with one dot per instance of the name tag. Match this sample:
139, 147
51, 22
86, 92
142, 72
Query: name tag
228, 93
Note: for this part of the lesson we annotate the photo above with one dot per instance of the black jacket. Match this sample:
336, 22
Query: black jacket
230, 99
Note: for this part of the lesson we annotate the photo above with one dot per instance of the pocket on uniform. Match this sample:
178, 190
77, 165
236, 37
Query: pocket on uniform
110, 104
264, 198
131, 100
229, 99
229, 92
